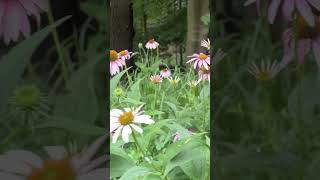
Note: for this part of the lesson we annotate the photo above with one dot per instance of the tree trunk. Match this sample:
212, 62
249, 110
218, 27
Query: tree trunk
121, 25
197, 31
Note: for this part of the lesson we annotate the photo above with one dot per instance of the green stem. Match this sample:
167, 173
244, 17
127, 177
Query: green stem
128, 76
58, 45
143, 153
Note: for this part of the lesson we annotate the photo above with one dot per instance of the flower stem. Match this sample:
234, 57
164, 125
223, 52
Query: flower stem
140, 148
58, 45
128, 76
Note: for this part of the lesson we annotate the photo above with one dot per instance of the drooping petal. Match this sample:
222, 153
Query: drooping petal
93, 148
12, 164
273, 9
56, 152
316, 50
116, 134
137, 128
305, 11
8, 176
287, 9
315, 3
143, 119
42, 4
116, 112
125, 133
303, 48
98, 174
114, 126
93, 164
26, 156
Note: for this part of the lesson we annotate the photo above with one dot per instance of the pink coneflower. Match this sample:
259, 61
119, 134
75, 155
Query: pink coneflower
300, 39
264, 72
156, 79
152, 44
204, 74
200, 60
206, 44
125, 54
165, 73
177, 136
14, 17
116, 63
304, 8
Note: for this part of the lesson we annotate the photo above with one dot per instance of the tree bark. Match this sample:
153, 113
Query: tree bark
197, 31
121, 25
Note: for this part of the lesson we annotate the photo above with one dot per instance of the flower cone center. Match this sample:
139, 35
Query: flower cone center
113, 55
151, 41
27, 96
126, 118
54, 170
304, 31
123, 53
203, 56
264, 76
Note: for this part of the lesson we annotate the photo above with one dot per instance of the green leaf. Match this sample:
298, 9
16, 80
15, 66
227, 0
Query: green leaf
193, 159
120, 162
81, 103
14, 63
73, 126
134, 92
135, 173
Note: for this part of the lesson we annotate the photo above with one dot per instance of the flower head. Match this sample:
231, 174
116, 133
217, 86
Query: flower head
265, 71
193, 84
204, 74
206, 44
303, 7
140, 45
125, 121
174, 81
29, 103
116, 62
25, 165
125, 54
165, 72
14, 17
200, 60
152, 44
118, 92
300, 40
177, 136
156, 79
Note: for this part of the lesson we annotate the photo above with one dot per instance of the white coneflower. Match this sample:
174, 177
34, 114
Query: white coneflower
124, 121
265, 71
193, 84
174, 81
25, 165
206, 44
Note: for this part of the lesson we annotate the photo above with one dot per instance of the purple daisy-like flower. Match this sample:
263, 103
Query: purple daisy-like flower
299, 40
14, 17
288, 7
